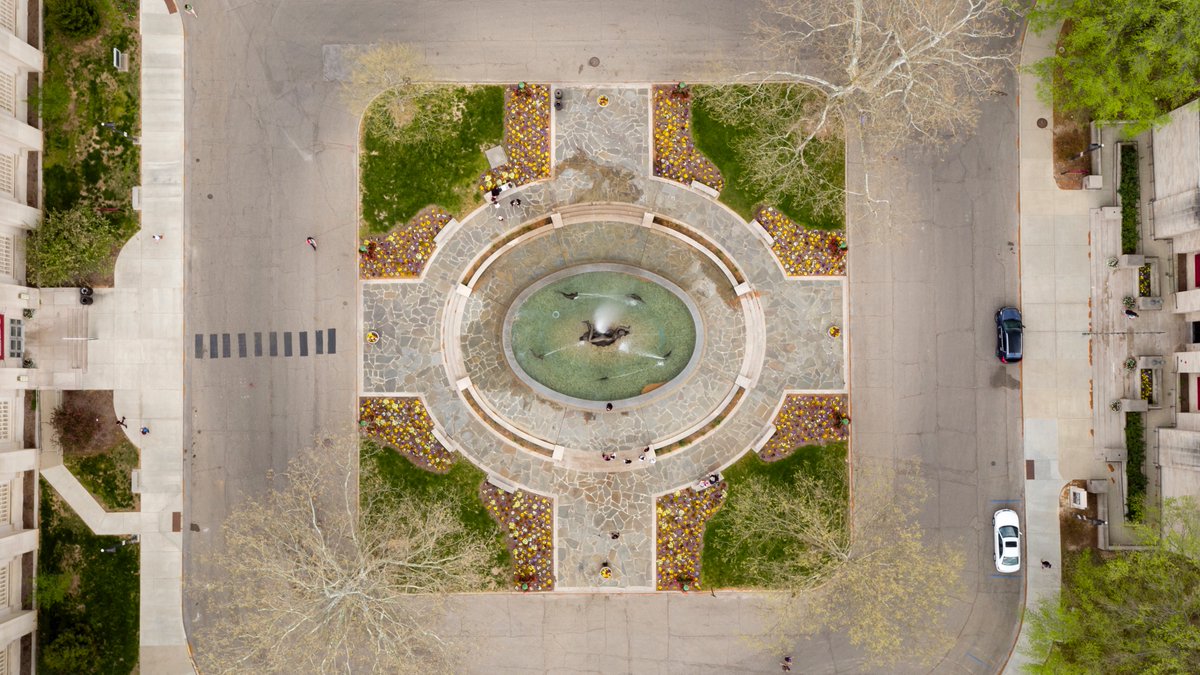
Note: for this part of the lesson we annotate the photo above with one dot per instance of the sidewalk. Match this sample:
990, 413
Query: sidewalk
1056, 298
136, 349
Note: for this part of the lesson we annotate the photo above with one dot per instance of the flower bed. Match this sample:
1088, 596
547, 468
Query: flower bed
807, 420
528, 520
1146, 382
803, 251
1144, 285
675, 154
1129, 189
405, 250
526, 138
682, 516
403, 424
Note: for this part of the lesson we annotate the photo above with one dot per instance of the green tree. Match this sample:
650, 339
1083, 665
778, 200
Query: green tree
68, 245
77, 18
73, 652
1128, 612
1132, 60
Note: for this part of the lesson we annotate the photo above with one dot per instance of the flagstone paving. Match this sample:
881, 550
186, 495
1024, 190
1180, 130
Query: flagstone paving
438, 337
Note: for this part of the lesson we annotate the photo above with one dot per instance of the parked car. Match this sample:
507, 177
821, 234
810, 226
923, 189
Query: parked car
1008, 334
1006, 541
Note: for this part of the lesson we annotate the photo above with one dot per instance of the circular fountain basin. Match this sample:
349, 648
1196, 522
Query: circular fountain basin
602, 333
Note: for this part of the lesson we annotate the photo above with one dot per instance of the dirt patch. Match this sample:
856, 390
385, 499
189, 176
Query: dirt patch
89, 421
1072, 135
1077, 534
30, 435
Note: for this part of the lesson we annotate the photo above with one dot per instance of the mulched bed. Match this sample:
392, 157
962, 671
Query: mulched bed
803, 251
675, 154
807, 420
528, 520
405, 250
404, 424
682, 516
526, 138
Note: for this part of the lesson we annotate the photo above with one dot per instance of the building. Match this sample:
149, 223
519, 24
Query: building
20, 189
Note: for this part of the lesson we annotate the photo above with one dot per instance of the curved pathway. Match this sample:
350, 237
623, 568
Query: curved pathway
604, 158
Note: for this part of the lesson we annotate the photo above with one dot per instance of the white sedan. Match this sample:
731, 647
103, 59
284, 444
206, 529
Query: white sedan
1006, 541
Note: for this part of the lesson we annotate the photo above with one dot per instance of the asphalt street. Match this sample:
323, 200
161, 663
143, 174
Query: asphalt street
271, 160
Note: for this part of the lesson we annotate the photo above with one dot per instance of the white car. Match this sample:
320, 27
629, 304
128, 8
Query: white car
1006, 540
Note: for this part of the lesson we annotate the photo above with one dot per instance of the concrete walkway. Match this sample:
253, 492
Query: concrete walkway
1055, 298
136, 349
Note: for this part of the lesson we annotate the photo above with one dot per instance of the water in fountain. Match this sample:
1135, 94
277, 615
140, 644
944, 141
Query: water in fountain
550, 321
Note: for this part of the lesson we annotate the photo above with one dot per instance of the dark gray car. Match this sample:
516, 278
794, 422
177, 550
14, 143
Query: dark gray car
1009, 331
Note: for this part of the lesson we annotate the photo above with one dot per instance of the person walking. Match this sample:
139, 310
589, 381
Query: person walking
145, 430
1130, 314
786, 664
311, 242
190, 10
121, 423
1046, 565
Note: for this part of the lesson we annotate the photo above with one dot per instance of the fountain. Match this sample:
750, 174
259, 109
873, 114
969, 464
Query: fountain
640, 332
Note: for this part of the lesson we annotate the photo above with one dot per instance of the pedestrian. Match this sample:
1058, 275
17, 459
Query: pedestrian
514, 202
786, 664
500, 218
614, 534
145, 430
121, 422
189, 10
608, 457
1046, 565
311, 242
608, 407
157, 237
1130, 314
628, 461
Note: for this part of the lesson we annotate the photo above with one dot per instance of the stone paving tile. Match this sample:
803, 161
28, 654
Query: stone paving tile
616, 135
593, 500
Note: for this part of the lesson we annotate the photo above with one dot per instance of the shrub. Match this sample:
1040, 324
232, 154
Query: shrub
1130, 192
1135, 474
68, 245
77, 18
74, 425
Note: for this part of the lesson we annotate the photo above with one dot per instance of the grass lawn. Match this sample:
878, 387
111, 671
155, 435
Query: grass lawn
84, 161
399, 178
717, 141
87, 600
107, 475
722, 566
461, 483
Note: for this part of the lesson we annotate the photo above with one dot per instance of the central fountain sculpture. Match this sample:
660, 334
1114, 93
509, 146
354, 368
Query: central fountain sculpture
606, 338
640, 333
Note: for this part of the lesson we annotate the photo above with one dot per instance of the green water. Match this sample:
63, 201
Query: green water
660, 342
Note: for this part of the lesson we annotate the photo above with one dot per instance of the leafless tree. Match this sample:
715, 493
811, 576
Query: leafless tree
898, 70
881, 581
327, 574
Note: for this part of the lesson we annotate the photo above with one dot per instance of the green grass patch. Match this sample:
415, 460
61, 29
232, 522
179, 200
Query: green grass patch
1135, 463
107, 475
1130, 191
719, 142
85, 162
401, 174
460, 484
723, 565
87, 600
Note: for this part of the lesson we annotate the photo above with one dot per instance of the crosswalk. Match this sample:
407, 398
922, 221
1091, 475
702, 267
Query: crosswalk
266, 343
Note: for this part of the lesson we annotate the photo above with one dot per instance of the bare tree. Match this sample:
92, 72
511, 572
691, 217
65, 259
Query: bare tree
881, 581
326, 574
900, 70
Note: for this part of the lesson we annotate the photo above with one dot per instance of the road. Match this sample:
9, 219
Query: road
270, 161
